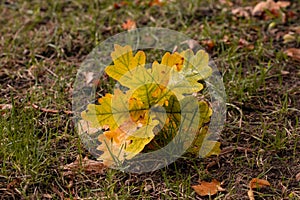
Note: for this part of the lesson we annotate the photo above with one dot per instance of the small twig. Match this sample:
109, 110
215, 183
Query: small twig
230, 149
50, 110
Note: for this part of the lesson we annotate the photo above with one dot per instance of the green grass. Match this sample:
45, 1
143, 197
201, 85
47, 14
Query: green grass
41, 47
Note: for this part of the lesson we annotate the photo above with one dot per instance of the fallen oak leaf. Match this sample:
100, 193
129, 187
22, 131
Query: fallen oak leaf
293, 53
6, 106
283, 4
269, 5
208, 188
87, 165
258, 183
296, 29
246, 44
210, 44
241, 12
289, 37
120, 5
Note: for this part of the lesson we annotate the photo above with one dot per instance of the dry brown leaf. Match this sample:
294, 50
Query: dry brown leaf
5, 106
246, 44
298, 177
129, 25
208, 188
87, 165
288, 38
296, 29
210, 44
269, 5
156, 3
258, 183
283, 4
241, 12
226, 2
89, 76
283, 72
293, 53
226, 39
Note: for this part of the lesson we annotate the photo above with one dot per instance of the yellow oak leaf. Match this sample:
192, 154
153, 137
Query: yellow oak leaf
100, 115
172, 60
156, 99
117, 136
136, 145
114, 110
113, 154
125, 142
124, 61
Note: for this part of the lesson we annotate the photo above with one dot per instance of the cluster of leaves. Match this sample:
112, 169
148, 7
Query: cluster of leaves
149, 110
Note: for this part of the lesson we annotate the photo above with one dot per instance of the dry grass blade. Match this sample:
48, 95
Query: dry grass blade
293, 53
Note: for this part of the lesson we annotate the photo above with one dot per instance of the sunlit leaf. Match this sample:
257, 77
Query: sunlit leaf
158, 103
124, 61
196, 67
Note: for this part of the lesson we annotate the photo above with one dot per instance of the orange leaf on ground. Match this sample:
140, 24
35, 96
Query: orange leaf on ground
87, 165
293, 53
210, 44
208, 188
269, 5
156, 3
129, 25
120, 5
258, 183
